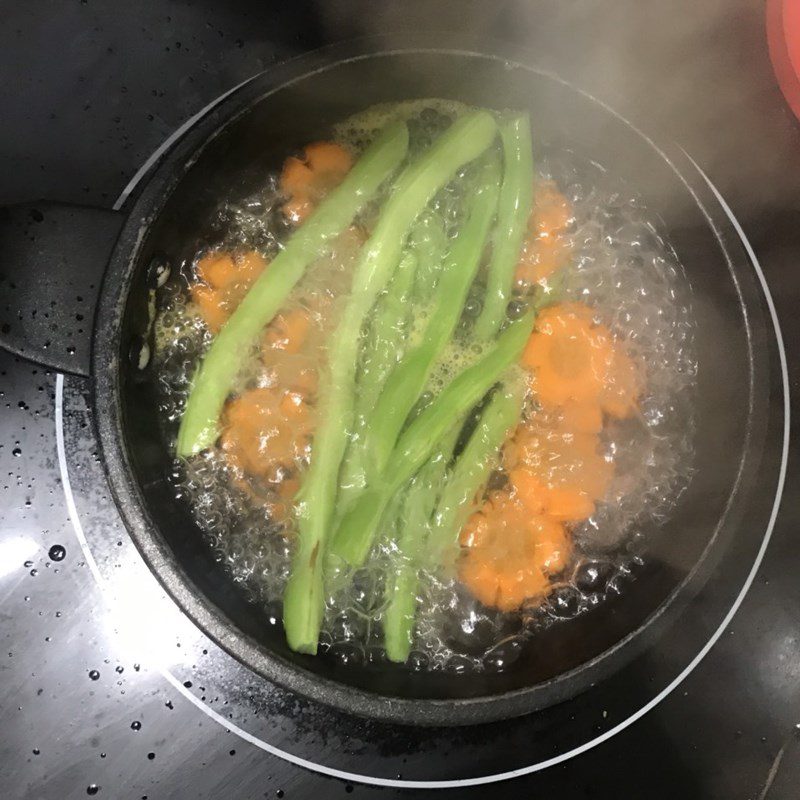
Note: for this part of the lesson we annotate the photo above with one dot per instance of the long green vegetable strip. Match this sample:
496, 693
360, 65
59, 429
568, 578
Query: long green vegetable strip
429, 242
408, 379
356, 532
213, 380
383, 342
514, 208
427, 247
469, 473
303, 602
412, 532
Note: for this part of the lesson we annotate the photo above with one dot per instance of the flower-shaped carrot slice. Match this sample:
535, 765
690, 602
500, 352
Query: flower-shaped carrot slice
266, 430
551, 213
223, 280
546, 249
557, 470
305, 181
288, 331
577, 362
509, 554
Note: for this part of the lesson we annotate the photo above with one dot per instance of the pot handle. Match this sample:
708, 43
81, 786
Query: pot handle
52, 260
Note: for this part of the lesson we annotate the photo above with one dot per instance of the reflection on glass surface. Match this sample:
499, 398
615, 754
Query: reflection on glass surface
14, 552
146, 622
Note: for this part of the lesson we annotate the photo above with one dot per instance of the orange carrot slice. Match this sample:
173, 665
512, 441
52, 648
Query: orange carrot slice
213, 311
288, 331
217, 269
577, 361
557, 471
223, 280
260, 437
305, 181
509, 554
551, 213
546, 249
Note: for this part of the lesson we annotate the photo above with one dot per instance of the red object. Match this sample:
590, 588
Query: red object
783, 36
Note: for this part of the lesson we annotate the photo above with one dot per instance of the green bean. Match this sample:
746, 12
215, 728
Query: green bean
413, 529
408, 379
514, 208
429, 242
214, 378
383, 342
469, 473
464, 141
427, 246
355, 534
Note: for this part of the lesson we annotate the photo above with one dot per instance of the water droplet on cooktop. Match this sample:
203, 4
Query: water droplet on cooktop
28, 564
120, 669
151, 756
102, 755
57, 552
94, 674
136, 725
34, 572
36, 751
16, 452
92, 788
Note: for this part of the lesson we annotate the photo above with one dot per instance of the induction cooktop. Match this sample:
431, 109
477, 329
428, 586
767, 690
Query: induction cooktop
108, 690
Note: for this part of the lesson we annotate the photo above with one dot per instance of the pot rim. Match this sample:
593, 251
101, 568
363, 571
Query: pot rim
127, 495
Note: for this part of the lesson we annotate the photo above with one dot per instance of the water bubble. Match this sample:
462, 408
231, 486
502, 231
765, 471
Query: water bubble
94, 675
136, 725
92, 789
418, 661
57, 552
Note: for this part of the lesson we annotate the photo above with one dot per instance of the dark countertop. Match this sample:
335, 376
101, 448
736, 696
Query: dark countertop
92, 88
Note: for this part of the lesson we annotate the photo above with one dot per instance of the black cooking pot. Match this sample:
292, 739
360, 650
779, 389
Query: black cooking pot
222, 155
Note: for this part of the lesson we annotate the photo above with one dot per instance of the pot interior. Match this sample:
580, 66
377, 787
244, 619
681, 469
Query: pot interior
255, 142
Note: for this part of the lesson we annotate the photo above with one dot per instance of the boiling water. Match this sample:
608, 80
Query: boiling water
623, 269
